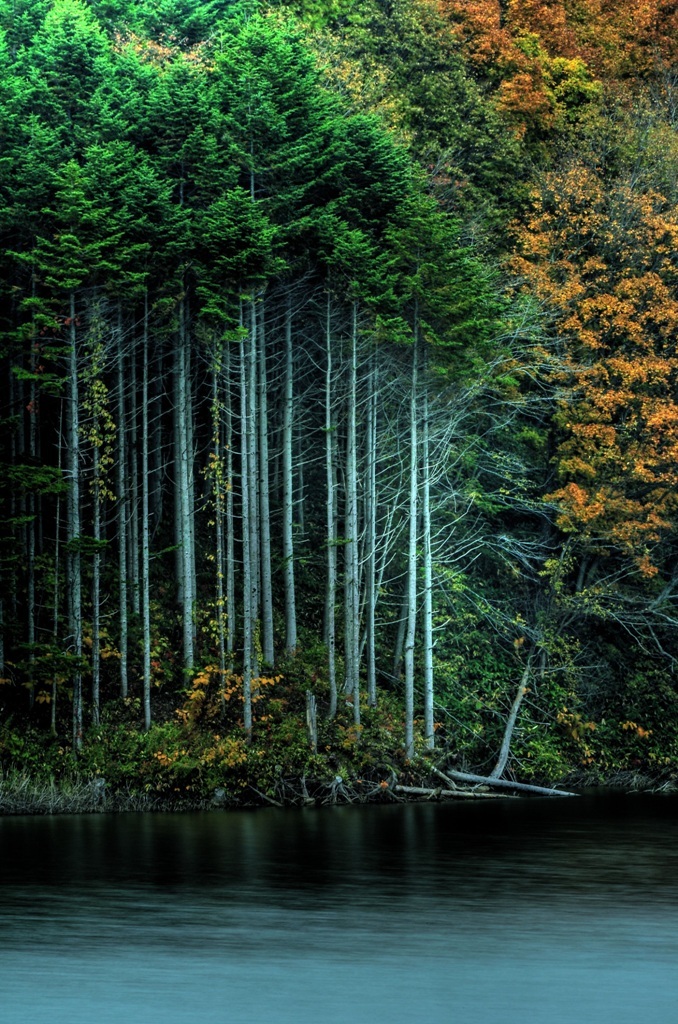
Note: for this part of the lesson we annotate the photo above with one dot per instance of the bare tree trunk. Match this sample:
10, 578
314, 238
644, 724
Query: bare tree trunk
399, 645
218, 484
246, 554
33, 502
190, 475
351, 586
264, 502
371, 538
230, 526
429, 732
96, 582
410, 631
331, 591
288, 489
253, 475
122, 509
74, 529
133, 533
145, 526
502, 760
183, 412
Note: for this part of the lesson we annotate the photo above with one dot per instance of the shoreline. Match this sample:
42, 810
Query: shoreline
21, 795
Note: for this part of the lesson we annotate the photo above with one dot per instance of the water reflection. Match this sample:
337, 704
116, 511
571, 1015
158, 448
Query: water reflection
544, 911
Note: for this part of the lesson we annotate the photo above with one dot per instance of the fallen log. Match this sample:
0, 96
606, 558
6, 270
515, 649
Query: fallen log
523, 787
270, 800
453, 794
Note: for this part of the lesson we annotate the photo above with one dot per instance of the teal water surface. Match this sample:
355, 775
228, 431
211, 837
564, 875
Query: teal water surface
514, 912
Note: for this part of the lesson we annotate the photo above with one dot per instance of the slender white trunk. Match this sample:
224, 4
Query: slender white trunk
133, 534
371, 538
218, 485
288, 489
253, 475
246, 554
183, 412
122, 511
96, 579
190, 476
264, 502
429, 734
145, 527
331, 592
176, 461
399, 646
502, 760
351, 586
74, 560
230, 526
410, 630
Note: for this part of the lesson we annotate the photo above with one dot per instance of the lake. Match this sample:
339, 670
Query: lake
534, 911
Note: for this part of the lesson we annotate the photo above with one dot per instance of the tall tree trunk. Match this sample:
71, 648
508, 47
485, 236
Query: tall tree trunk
219, 488
33, 502
331, 520
371, 537
288, 488
145, 525
121, 485
155, 442
190, 467
133, 534
247, 623
183, 412
410, 631
264, 501
351, 585
429, 734
96, 579
253, 475
74, 529
230, 525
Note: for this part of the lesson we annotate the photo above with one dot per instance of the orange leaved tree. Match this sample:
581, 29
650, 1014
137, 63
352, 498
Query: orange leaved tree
602, 257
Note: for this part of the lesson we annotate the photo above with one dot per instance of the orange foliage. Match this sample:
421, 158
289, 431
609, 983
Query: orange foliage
616, 38
603, 260
543, 56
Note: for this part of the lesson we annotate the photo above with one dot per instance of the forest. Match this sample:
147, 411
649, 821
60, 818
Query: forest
339, 396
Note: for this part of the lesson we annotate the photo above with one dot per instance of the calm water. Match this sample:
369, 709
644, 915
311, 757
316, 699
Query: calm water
538, 912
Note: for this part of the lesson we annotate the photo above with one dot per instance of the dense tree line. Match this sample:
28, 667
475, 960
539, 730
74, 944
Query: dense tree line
338, 360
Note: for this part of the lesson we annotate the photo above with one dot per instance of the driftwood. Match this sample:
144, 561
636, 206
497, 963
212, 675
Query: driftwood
523, 787
454, 794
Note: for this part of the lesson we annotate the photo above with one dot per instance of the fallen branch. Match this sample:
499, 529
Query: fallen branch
454, 794
524, 787
268, 799
441, 775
